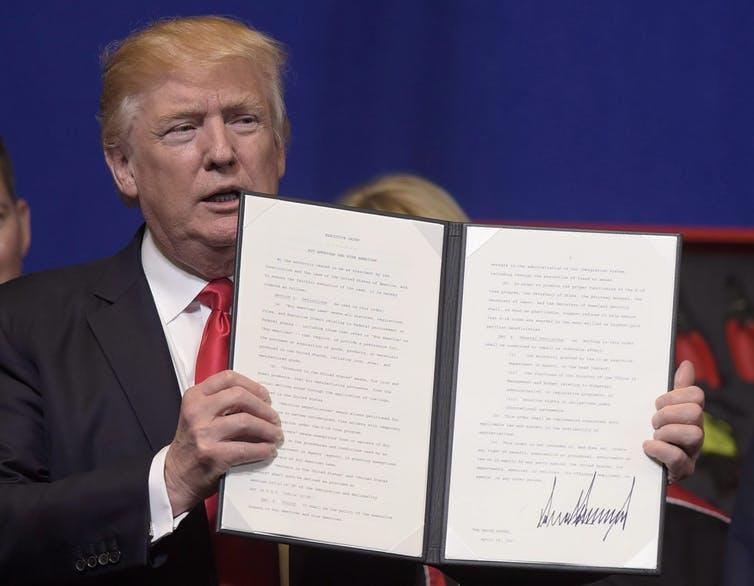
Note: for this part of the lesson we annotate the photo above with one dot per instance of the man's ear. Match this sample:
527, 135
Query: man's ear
281, 162
120, 167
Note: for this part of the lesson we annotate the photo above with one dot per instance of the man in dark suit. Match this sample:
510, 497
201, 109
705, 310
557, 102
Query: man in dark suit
95, 441
108, 447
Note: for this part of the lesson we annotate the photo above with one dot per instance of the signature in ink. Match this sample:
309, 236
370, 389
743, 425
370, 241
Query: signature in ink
583, 514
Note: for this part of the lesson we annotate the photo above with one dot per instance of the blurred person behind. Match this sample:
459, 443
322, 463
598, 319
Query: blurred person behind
15, 232
402, 193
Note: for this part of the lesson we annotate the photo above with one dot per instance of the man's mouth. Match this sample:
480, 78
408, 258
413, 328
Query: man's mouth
223, 196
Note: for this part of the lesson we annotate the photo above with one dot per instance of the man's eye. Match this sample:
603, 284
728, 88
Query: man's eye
182, 128
246, 120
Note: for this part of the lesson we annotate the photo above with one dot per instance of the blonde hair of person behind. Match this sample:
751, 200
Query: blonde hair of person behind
132, 66
405, 194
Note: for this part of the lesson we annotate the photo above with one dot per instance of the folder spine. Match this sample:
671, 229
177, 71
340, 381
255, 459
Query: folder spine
447, 334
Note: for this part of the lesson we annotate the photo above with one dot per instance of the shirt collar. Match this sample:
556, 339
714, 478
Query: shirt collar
173, 289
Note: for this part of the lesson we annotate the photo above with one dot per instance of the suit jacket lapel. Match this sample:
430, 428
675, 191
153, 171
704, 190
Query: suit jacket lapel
129, 332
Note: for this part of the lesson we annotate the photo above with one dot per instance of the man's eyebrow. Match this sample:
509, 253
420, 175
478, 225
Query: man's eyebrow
249, 103
188, 111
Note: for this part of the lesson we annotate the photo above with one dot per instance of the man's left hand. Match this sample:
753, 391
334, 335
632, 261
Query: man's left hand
679, 425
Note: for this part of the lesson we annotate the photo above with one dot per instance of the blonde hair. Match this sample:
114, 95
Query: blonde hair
405, 194
133, 65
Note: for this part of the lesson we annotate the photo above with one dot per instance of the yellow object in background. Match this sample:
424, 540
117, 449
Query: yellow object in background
718, 437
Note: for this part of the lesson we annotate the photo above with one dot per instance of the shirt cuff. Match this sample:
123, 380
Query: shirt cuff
161, 522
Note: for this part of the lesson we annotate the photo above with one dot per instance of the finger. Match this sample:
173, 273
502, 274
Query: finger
685, 375
239, 400
685, 413
679, 396
677, 461
687, 437
230, 378
219, 457
245, 428
236, 453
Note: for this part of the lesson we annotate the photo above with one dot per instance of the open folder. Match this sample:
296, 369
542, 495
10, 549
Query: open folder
453, 393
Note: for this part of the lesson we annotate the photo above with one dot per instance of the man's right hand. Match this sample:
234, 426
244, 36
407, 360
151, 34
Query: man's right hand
224, 421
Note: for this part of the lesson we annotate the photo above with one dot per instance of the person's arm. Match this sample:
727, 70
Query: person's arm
161, 519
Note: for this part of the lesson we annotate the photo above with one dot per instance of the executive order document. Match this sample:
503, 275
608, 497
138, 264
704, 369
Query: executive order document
477, 393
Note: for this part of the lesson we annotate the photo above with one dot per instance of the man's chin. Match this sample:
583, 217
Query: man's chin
210, 258
222, 236
220, 240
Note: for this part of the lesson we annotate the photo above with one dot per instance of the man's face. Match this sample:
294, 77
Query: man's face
196, 139
14, 234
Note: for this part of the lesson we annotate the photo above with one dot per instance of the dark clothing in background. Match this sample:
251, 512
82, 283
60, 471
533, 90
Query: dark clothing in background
739, 554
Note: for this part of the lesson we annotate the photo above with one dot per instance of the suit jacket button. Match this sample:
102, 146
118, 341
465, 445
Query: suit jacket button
80, 565
103, 559
91, 561
114, 556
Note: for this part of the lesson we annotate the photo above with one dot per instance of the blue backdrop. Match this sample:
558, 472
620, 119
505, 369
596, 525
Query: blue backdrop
570, 110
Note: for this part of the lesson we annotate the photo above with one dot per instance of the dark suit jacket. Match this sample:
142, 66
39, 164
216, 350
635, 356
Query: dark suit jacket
88, 394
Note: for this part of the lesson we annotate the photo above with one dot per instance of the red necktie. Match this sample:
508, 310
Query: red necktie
434, 577
238, 560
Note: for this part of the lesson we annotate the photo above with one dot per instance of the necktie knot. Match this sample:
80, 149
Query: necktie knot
217, 295
213, 349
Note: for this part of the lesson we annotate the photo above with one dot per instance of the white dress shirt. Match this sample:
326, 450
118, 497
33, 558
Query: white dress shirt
182, 318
